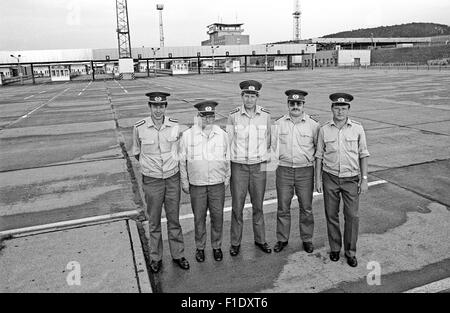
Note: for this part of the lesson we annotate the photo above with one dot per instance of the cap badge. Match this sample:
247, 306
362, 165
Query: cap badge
251, 88
158, 99
341, 100
296, 97
208, 109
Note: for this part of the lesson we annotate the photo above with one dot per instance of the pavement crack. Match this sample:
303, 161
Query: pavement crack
133, 256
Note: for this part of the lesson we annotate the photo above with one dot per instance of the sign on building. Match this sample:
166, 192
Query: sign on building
280, 64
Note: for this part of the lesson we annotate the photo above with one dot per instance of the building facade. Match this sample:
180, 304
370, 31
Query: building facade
226, 35
329, 58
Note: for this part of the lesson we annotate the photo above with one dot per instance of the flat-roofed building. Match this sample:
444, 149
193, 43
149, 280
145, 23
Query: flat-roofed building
226, 35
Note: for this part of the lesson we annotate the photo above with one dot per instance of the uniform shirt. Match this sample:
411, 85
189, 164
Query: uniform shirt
342, 148
158, 149
294, 144
204, 160
249, 136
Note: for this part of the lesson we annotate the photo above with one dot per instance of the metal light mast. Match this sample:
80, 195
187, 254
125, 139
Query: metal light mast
160, 8
297, 13
123, 30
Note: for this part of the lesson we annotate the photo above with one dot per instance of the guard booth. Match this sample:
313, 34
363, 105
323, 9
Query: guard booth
280, 64
232, 66
60, 73
180, 67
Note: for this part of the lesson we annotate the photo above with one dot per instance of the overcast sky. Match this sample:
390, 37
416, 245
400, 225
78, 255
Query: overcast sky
66, 24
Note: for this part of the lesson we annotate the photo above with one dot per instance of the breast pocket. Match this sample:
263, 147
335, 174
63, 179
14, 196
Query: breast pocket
168, 143
306, 140
241, 131
351, 144
195, 151
149, 147
331, 144
284, 138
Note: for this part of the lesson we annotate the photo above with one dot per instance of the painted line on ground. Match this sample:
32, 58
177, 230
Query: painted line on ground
126, 214
267, 202
35, 109
29, 97
126, 91
77, 222
434, 287
85, 88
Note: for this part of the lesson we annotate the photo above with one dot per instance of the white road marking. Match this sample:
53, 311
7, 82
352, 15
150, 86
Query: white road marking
271, 201
43, 91
123, 215
121, 86
37, 108
85, 88
29, 97
64, 224
434, 287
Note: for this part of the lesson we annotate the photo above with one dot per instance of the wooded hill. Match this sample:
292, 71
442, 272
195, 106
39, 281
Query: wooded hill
403, 30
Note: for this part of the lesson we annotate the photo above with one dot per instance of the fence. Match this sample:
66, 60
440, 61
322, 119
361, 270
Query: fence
108, 70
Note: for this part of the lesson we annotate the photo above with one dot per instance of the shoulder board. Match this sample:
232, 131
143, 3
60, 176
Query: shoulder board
315, 119
173, 120
265, 110
235, 111
356, 122
279, 118
142, 122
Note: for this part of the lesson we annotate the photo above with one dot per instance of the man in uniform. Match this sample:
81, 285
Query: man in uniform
205, 173
155, 146
342, 154
294, 139
249, 131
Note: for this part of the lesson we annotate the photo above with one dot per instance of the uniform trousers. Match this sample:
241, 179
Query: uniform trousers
301, 181
333, 188
210, 197
249, 178
158, 192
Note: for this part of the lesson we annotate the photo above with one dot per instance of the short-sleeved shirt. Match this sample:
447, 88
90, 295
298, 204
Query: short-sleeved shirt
294, 144
204, 160
249, 136
342, 148
158, 149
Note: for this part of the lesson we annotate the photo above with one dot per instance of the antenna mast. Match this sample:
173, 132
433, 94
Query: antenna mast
297, 13
160, 8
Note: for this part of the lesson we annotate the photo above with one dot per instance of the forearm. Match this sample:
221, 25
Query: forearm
318, 169
183, 173
364, 165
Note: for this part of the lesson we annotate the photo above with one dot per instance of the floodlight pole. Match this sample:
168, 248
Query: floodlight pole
154, 59
18, 66
267, 50
214, 63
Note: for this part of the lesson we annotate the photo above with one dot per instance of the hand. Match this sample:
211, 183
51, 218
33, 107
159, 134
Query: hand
318, 185
227, 182
363, 186
185, 188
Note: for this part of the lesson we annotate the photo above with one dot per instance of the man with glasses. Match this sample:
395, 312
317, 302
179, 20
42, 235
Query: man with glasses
294, 140
248, 128
342, 154
155, 146
205, 174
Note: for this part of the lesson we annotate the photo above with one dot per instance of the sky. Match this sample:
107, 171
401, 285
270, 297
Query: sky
84, 24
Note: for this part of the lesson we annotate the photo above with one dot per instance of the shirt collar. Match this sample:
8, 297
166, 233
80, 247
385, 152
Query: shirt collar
257, 111
288, 117
349, 122
198, 130
166, 122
